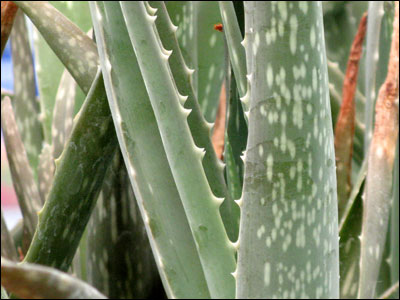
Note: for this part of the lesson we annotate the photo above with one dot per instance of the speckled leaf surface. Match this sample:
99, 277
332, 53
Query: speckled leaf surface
48, 66
202, 47
288, 239
120, 263
24, 102
210, 57
21, 172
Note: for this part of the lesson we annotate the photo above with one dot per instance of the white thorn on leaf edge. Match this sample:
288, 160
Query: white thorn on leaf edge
219, 200
151, 18
235, 245
239, 202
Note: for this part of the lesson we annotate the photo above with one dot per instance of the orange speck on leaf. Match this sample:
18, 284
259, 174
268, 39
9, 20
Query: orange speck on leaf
219, 27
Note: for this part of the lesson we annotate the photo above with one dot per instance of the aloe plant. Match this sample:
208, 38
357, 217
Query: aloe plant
121, 190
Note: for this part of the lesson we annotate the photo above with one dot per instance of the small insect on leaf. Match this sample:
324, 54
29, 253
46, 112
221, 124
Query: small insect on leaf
218, 27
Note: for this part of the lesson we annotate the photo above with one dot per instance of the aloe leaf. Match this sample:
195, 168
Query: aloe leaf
7, 243
215, 250
75, 50
380, 173
121, 264
375, 14
79, 175
349, 243
350, 249
35, 281
235, 142
210, 57
25, 104
202, 47
354, 192
182, 14
345, 126
21, 172
64, 39
336, 79
46, 169
288, 241
8, 13
198, 126
234, 39
144, 155
63, 113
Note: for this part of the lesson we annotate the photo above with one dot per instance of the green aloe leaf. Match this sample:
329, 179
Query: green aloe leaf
63, 113
202, 48
68, 35
144, 156
349, 243
199, 128
215, 250
77, 181
46, 169
234, 38
21, 172
288, 239
120, 263
235, 142
39, 282
24, 102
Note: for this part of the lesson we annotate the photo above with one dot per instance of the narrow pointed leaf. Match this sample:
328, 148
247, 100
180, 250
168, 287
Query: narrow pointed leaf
21, 172
234, 38
25, 103
144, 155
380, 172
375, 14
79, 175
63, 113
46, 169
72, 46
214, 248
345, 126
120, 262
235, 143
210, 56
49, 68
198, 126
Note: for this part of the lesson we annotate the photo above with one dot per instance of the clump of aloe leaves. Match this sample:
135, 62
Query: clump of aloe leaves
202, 149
